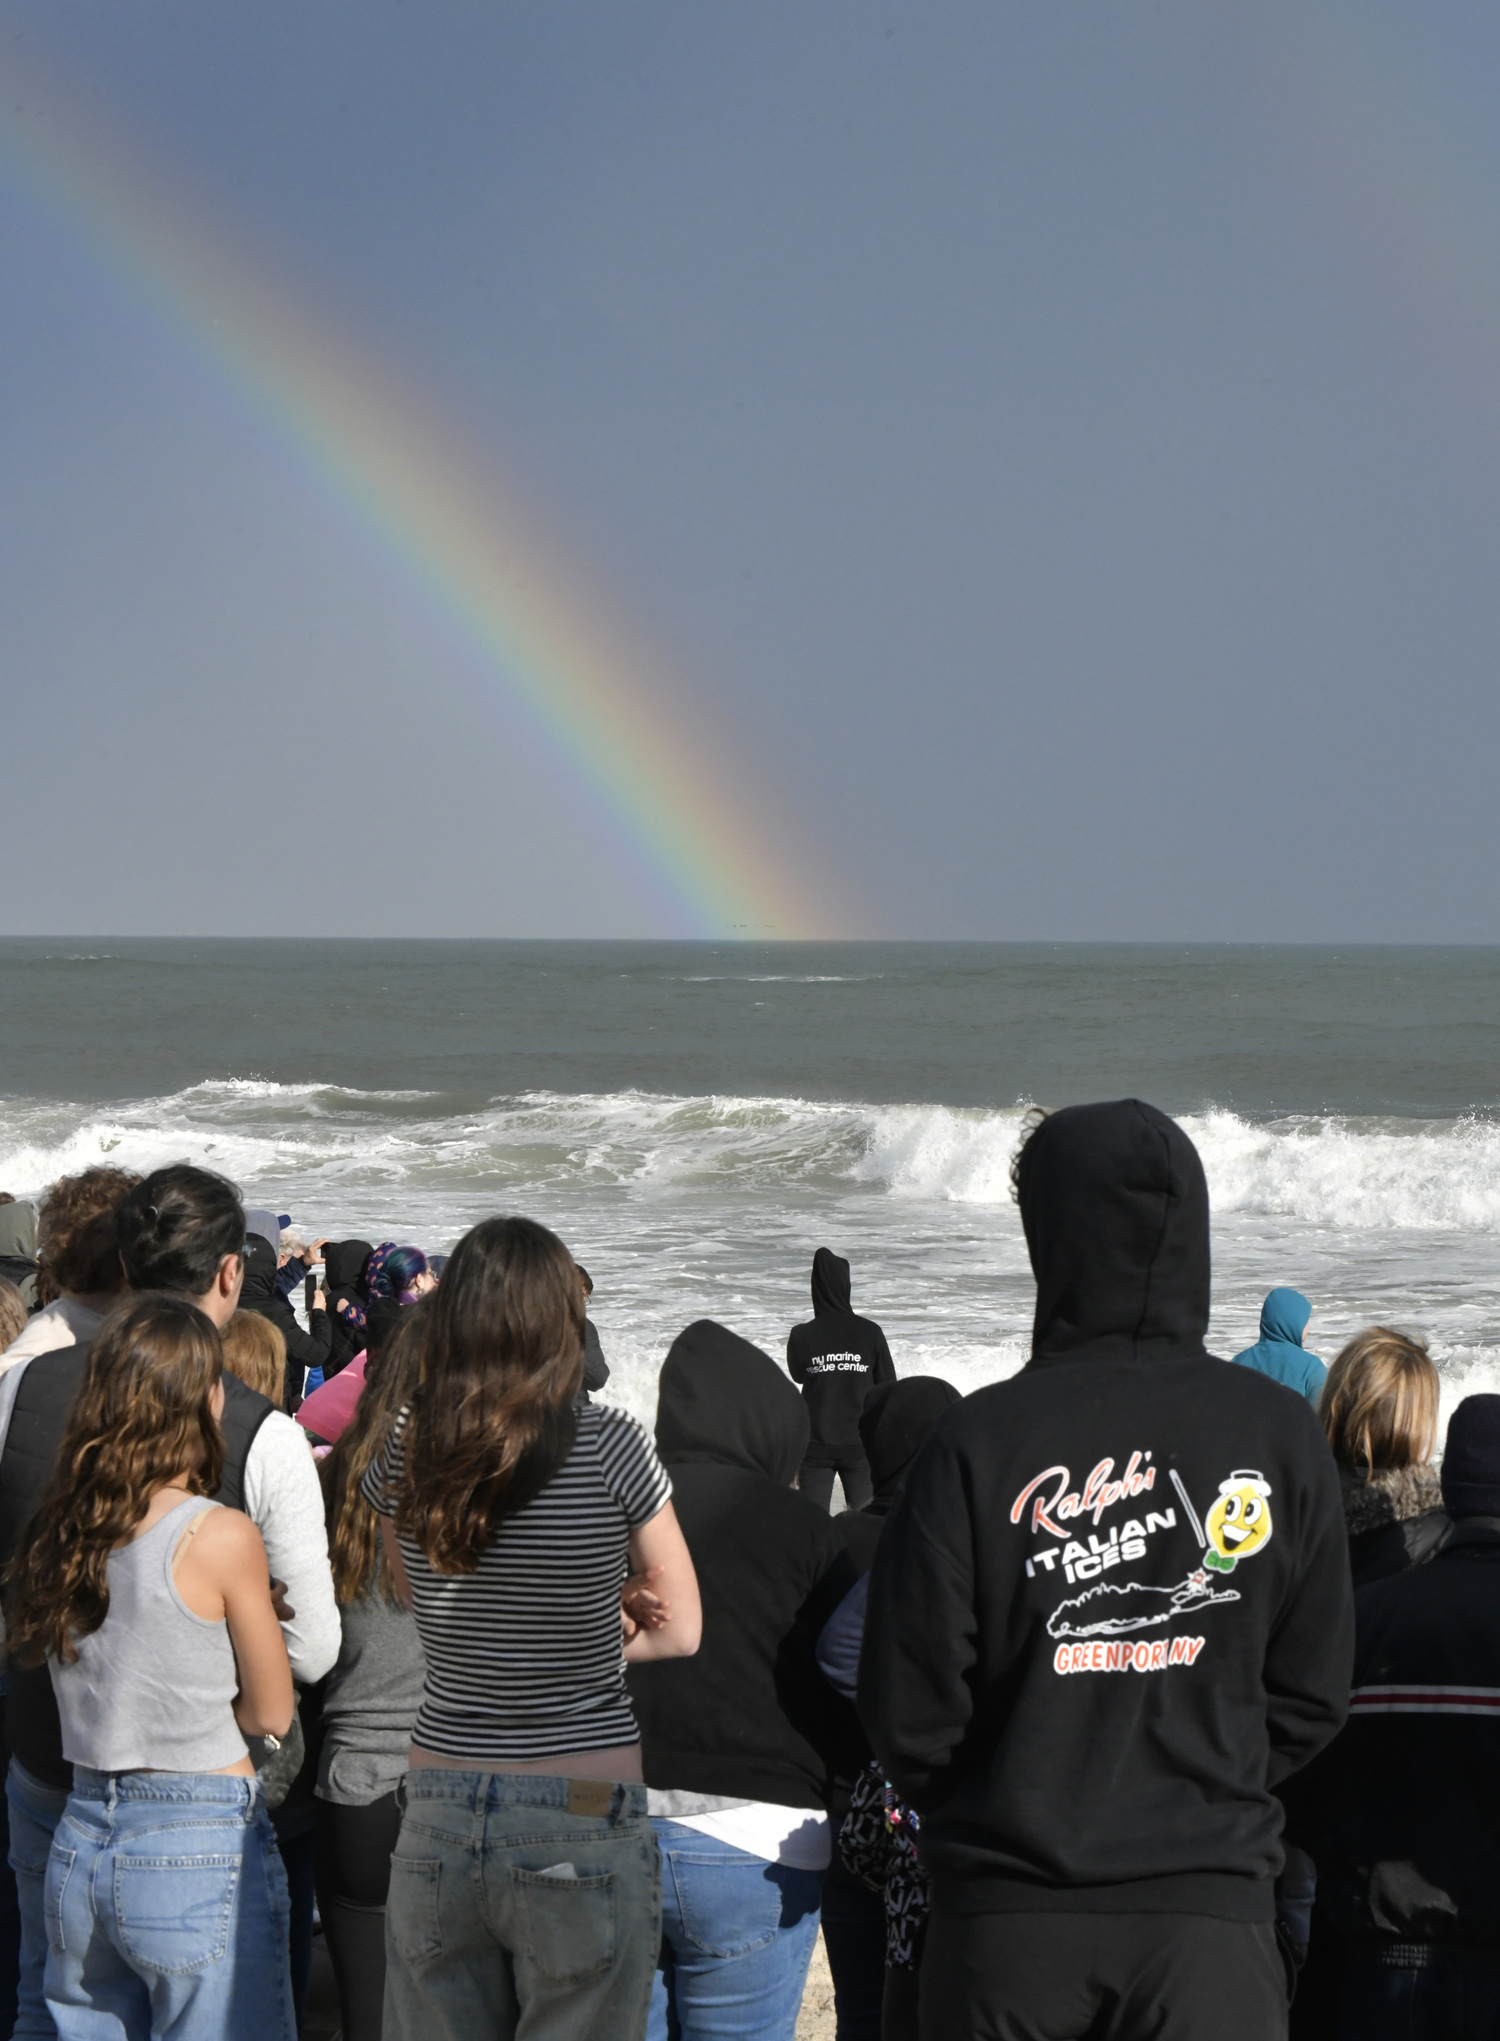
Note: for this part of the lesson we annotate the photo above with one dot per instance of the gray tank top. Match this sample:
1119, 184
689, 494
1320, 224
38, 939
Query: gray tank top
152, 1689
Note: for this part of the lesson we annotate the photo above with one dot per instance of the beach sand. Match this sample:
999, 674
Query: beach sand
815, 2022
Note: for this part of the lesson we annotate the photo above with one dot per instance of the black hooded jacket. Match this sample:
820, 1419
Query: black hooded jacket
836, 1358
1402, 1814
1111, 1608
749, 1717
303, 1349
892, 1426
343, 1264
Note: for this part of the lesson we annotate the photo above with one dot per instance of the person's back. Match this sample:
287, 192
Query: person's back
1402, 1814
836, 1358
740, 1743
166, 1904
1110, 1611
1380, 1413
1279, 1352
522, 1888
181, 1230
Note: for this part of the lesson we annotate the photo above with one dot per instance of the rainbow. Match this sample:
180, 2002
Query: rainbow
397, 473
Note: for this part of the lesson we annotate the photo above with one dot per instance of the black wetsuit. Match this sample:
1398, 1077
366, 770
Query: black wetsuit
836, 1359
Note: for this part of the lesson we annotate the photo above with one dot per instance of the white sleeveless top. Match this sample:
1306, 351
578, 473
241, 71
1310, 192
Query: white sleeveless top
152, 1689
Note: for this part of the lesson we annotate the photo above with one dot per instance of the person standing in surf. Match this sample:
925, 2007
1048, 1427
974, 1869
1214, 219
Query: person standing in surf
1109, 1613
836, 1359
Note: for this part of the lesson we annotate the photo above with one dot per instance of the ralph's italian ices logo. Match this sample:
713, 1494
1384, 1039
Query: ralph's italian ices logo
1088, 1626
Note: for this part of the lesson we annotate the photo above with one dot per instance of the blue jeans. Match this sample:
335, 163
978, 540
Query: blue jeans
167, 1911
520, 1903
35, 1811
737, 1937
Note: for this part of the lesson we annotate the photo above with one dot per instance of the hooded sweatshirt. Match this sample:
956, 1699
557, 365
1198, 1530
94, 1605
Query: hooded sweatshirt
1111, 1609
894, 1422
837, 1358
18, 1248
749, 1717
1279, 1351
303, 1349
343, 1266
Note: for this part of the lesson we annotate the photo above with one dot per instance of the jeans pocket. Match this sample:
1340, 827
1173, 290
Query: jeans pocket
413, 1923
59, 1867
727, 1905
173, 1913
567, 1924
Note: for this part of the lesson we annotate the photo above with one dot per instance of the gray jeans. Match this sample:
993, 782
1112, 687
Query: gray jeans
520, 1906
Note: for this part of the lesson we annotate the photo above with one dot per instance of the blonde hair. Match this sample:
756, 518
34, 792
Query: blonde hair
255, 1350
12, 1313
1380, 1403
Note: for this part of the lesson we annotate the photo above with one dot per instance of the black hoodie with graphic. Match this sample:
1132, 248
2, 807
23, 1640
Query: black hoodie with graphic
1111, 1610
837, 1358
749, 1717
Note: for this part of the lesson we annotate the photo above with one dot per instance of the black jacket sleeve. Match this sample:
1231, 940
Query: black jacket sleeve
308, 1349
915, 1697
595, 1367
884, 1366
1309, 1663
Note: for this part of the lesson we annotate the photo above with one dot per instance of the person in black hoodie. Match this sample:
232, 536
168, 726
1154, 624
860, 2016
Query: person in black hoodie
343, 1270
1109, 1613
304, 1350
836, 1358
895, 1420
741, 1743
1402, 1814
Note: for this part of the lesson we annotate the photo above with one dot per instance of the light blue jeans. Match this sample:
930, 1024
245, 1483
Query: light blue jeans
520, 1905
167, 1912
737, 1937
35, 1811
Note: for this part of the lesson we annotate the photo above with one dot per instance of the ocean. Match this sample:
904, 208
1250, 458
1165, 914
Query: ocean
696, 1118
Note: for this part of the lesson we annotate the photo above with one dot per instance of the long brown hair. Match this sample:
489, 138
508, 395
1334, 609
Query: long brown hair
354, 1548
1380, 1403
502, 1361
143, 1416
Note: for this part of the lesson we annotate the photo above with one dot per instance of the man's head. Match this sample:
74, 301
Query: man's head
1471, 1459
78, 1253
1114, 1203
183, 1229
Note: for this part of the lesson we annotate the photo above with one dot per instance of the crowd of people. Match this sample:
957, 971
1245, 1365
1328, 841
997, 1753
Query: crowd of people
1137, 1695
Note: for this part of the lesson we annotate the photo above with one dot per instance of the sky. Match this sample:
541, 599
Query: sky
587, 469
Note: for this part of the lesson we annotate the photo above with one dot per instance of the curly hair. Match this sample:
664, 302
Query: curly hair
143, 1416
502, 1361
13, 1313
77, 1245
354, 1549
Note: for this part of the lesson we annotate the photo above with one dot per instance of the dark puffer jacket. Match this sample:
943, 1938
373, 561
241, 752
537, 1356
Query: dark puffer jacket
1396, 1519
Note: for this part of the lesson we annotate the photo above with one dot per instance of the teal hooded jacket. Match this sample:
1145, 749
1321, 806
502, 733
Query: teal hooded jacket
1279, 1351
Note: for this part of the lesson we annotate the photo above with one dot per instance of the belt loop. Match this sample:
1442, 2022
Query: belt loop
112, 1794
401, 1794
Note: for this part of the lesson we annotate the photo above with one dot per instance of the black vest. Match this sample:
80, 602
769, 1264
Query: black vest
37, 1419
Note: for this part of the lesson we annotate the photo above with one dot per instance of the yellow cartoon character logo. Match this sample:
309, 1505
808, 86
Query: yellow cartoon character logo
1239, 1523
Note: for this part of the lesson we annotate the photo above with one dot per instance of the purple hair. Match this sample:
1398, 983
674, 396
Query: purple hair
391, 1271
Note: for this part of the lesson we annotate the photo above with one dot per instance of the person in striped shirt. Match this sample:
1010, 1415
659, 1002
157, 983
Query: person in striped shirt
524, 1884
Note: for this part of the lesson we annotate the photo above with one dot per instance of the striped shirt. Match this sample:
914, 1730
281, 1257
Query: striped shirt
524, 1655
